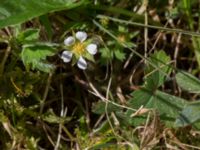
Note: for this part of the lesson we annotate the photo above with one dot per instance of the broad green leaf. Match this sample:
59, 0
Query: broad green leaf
42, 66
189, 115
14, 12
188, 82
167, 105
155, 77
34, 57
28, 36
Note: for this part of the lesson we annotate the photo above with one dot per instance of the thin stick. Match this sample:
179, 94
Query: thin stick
145, 31
126, 46
151, 26
48, 136
175, 63
187, 145
157, 39
7, 52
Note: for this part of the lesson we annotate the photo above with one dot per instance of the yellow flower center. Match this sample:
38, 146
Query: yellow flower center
78, 48
104, 21
121, 38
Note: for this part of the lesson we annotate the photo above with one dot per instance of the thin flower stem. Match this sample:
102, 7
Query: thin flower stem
45, 92
61, 115
106, 107
146, 33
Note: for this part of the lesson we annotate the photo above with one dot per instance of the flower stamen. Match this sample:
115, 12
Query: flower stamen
78, 48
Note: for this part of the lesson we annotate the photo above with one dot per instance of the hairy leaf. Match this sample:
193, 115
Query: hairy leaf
155, 77
34, 57
188, 82
189, 115
28, 36
167, 105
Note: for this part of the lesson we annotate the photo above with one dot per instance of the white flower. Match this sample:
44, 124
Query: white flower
79, 47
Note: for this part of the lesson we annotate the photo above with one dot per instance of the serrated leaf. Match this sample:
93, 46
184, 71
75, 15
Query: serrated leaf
167, 105
14, 12
189, 115
106, 53
34, 57
28, 36
43, 66
188, 82
155, 77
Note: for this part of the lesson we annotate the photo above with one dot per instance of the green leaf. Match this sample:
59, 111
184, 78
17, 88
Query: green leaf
106, 55
51, 117
99, 107
109, 145
155, 77
14, 12
42, 66
28, 36
89, 57
122, 29
34, 57
188, 82
167, 105
119, 54
189, 115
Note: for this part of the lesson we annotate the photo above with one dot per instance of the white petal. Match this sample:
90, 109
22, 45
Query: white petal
81, 36
66, 56
92, 49
82, 64
69, 41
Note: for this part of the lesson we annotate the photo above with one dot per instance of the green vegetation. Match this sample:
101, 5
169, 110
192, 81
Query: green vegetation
99, 75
